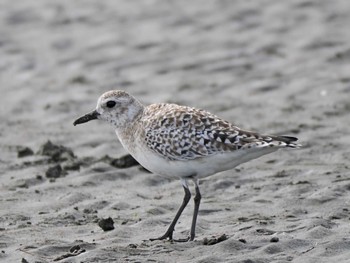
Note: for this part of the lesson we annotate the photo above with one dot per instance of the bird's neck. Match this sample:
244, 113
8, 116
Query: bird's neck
128, 134
126, 116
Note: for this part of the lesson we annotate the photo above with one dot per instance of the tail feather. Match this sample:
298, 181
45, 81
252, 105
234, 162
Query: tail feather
289, 140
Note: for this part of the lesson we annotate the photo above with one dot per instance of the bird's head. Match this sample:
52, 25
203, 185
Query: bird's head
116, 107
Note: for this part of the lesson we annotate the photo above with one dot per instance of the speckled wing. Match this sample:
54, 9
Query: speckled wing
183, 133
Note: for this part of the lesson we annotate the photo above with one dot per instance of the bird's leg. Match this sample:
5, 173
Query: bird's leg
197, 201
169, 232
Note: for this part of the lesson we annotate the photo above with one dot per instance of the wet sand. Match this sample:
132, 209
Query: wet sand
279, 67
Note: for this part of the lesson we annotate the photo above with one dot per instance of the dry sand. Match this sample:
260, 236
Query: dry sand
272, 66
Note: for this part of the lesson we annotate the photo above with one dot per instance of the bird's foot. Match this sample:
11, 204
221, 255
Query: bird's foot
182, 239
169, 235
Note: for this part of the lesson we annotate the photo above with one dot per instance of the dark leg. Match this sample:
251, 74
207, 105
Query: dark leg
169, 232
197, 201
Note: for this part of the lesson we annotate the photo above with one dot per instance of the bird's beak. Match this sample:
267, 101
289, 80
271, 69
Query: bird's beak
87, 117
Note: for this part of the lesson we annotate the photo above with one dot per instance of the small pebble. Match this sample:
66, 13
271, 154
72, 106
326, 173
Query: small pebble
242, 240
54, 171
274, 239
24, 151
39, 177
213, 241
132, 246
106, 224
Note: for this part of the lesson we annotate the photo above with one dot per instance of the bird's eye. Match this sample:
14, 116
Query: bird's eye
110, 104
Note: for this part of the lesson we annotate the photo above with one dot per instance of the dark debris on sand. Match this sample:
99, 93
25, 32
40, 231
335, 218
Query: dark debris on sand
63, 159
23, 151
106, 224
62, 154
214, 240
55, 171
73, 251
125, 161
57, 153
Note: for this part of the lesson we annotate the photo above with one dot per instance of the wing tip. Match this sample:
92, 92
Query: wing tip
290, 141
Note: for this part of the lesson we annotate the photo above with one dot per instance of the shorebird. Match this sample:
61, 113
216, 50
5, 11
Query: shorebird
180, 141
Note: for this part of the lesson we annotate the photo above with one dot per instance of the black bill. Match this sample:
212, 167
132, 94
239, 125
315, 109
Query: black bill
87, 117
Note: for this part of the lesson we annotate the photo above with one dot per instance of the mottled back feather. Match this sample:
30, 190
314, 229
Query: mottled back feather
184, 133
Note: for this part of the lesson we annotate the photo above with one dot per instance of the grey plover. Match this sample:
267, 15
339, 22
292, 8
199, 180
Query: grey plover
180, 141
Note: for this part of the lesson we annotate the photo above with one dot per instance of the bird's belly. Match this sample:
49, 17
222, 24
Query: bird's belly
162, 166
200, 167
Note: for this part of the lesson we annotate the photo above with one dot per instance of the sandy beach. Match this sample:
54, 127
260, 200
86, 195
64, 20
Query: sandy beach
277, 67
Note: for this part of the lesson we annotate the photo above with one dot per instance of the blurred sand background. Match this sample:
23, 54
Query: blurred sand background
273, 66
